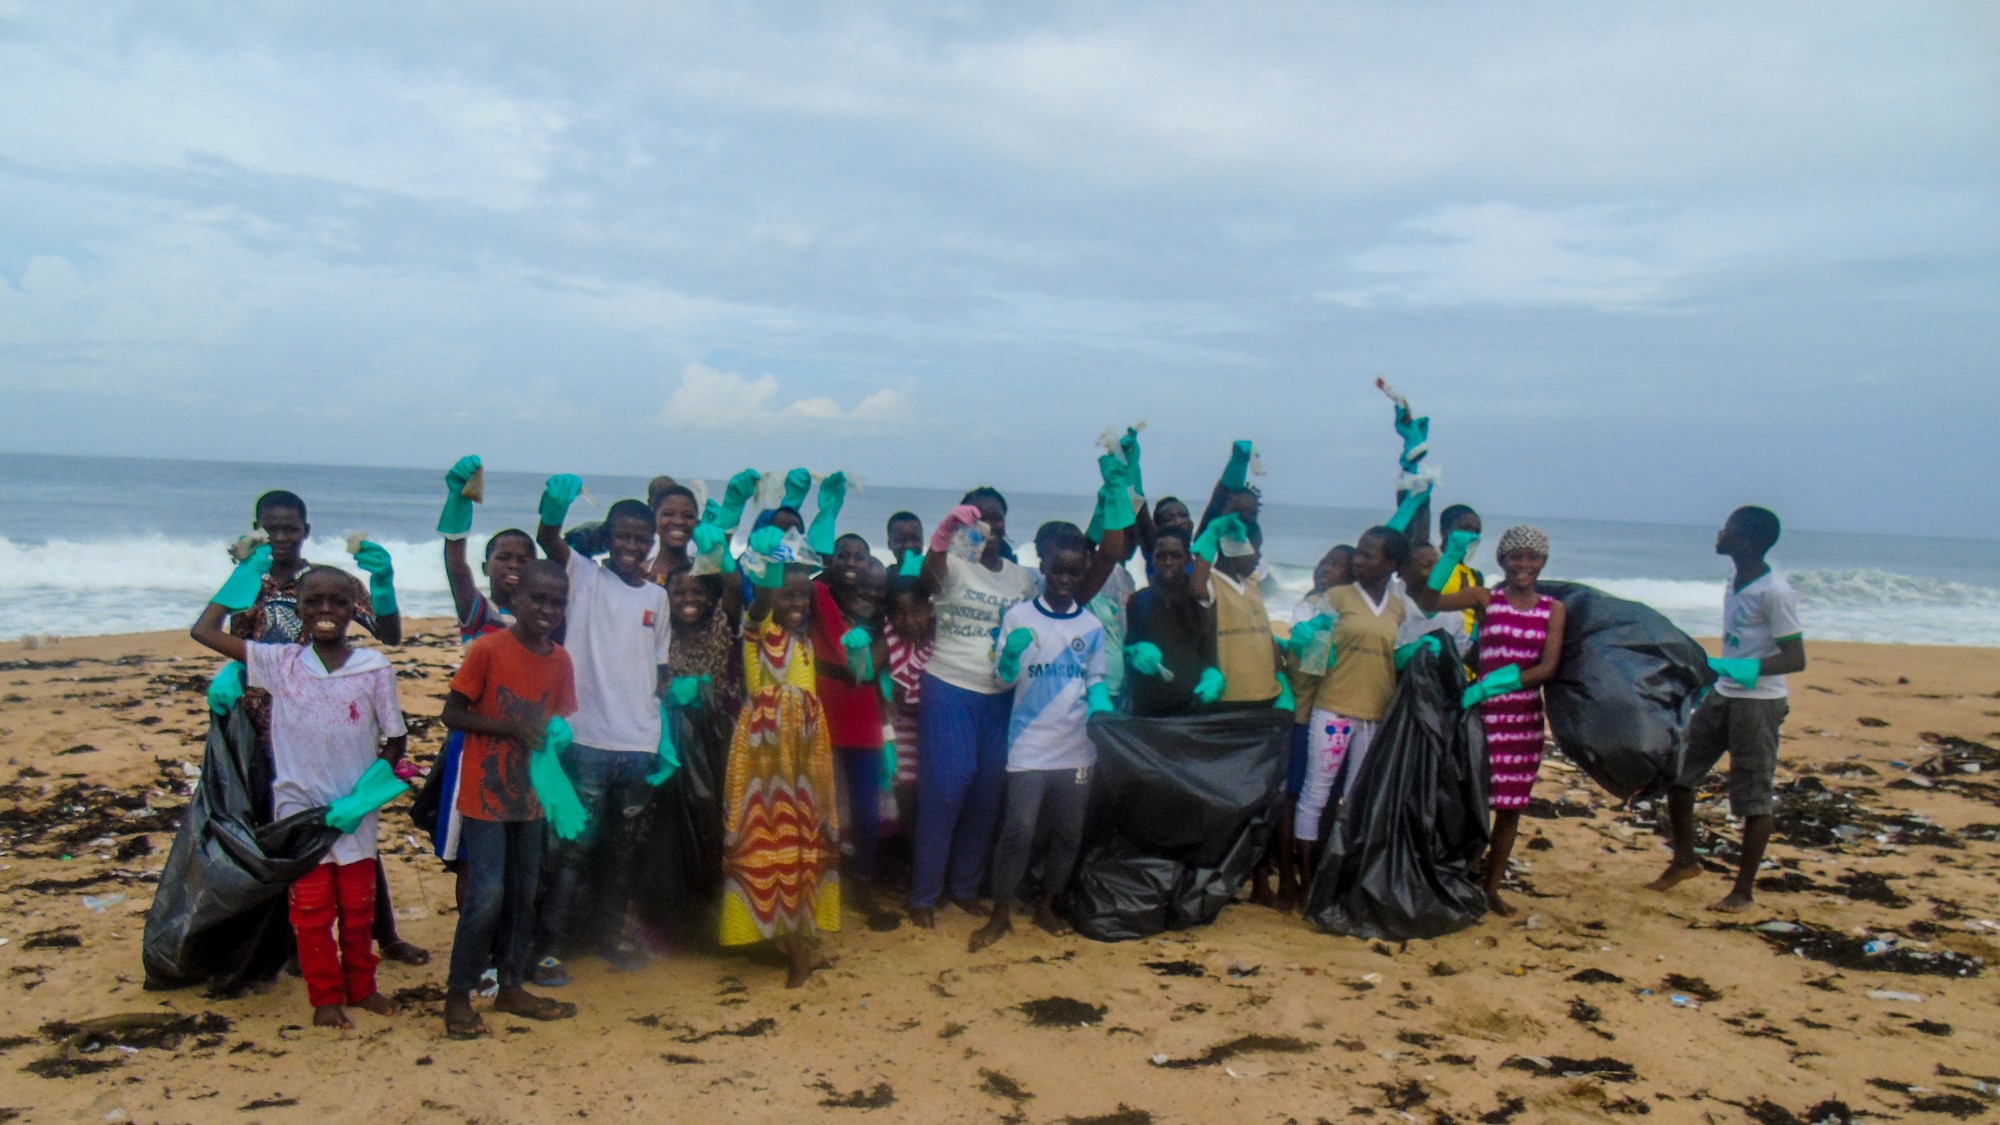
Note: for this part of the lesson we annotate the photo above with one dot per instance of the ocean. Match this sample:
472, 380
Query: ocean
94, 545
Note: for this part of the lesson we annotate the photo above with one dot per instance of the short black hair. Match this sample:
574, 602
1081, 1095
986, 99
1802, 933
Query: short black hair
544, 568
1059, 535
321, 570
985, 492
904, 517
628, 510
493, 544
658, 495
862, 539
278, 498
1395, 544
1760, 526
1048, 531
1451, 516
1173, 533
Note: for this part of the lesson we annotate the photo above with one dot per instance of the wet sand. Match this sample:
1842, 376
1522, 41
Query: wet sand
1599, 1000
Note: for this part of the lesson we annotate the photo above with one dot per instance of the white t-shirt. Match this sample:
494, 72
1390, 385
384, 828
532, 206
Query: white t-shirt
1754, 619
1047, 729
969, 608
326, 730
1418, 624
617, 636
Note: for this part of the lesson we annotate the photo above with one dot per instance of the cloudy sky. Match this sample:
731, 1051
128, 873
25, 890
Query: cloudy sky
1637, 262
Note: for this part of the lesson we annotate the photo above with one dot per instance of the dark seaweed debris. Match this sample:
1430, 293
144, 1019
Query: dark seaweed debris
1595, 976
1844, 951
1506, 1111
1223, 1052
1123, 1115
1002, 1086
1177, 968
1562, 1066
749, 1030
1061, 1011
878, 1098
1405, 1095
1693, 986
1766, 1112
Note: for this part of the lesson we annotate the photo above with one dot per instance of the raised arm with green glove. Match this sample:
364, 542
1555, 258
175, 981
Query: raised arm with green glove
1407, 510
824, 530
378, 786
455, 521
374, 559
764, 543
558, 493
798, 482
711, 542
239, 591
1455, 546
1129, 446
735, 495
1236, 474
1208, 544
565, 814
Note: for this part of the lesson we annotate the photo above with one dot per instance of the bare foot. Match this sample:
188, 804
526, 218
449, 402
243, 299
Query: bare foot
1498, 905
334, 1016
991, 932
1734, 903
1047, 918
1674, 876
379, 1004
1260, 892
923, 917
404, 953
802, 966
969, 905
519, 1001
460, 1021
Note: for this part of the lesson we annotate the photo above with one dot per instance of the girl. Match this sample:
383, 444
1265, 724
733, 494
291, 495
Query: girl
910, 633
674, 517
781, 831
1521, 628
1336, 568
965, 710
1363, 617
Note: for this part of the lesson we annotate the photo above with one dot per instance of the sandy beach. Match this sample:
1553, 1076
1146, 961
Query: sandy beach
1599, 1000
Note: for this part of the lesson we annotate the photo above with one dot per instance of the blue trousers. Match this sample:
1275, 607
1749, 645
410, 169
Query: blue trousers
611, 785
961, 778
503, 865
861, 776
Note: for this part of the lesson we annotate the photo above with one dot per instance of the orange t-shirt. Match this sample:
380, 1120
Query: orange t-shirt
506, 681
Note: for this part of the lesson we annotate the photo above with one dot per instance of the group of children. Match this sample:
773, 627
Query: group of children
942, 698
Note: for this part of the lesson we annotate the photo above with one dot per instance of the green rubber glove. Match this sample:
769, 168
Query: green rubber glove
712, 542
913, 564
1114, 499
240, 591
1208, 544
1144, 657
1414, 432
1286, 701
378, 786
1407, 511
1129, 446
668, 756
564, 812
1741, 669
860, 661
1407, 651
1455, 546
1499, 681
1305, 635
371, 557
1096, 700
1236, 475
456, 519
832, 494
798, 482
685, 691
225, 691
1008, 666
887, 685
737, 493
888, 760
1208, 689
765, 542
557, 495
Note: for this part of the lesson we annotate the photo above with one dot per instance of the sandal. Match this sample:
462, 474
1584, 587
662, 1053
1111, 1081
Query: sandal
541, 1008
466, 1030
549, 973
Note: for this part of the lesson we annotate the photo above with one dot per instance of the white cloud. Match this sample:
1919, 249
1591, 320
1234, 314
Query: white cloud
723, 400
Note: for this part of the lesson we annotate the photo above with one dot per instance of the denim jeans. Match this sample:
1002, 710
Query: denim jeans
611, 785
503, 867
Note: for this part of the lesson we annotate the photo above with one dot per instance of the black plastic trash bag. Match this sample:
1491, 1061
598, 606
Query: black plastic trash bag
1180, 810
219, 915
1398, 855
678, 886
1620, 701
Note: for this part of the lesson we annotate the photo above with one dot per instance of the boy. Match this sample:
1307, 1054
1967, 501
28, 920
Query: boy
1053, 655
905, 535
502, 697
618, 633
1245, 650
847, 649
1761, 645
1170, 634
908, 635
336, 732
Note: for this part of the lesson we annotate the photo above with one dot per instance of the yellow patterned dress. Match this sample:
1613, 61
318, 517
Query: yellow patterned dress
781, 836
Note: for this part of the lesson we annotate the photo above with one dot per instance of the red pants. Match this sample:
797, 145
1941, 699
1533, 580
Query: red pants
346, 973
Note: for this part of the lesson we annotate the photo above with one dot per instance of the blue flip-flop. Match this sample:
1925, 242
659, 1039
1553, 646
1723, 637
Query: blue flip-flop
550, 973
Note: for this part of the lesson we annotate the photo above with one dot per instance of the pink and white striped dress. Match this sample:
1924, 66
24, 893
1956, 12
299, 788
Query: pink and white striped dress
1513, 721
